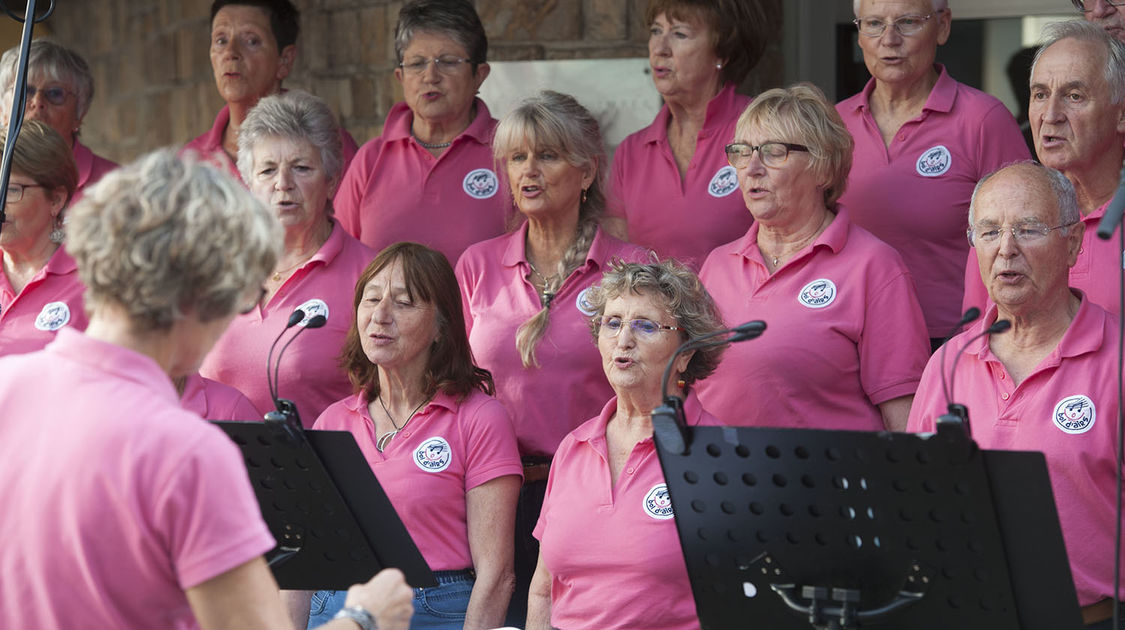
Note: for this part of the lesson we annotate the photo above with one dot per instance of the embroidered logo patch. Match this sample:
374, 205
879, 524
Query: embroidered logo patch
434, 455
480, 183
54, 316
1075, 414
658, 504
724, 182
583, 303
312, 308
818, 293
934, 162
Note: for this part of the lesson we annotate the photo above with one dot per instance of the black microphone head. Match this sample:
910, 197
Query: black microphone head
317, 321
749, 330
999, 326
295, 318
970, 315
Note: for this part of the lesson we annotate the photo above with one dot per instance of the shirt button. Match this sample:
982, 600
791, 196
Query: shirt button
1004, 395
1003, 376
630, 471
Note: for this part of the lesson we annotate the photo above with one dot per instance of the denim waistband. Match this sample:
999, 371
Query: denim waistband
453, 577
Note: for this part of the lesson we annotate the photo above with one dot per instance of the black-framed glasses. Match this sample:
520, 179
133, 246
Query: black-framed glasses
1082, 4
906, 25
644, 328
250, 308
55, 94
1027, 233
15, 191
444, 65
773, 154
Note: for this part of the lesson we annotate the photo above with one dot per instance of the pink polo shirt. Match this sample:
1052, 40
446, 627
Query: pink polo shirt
209, 146
53, 299
1066, 408
213, 400
448, 448
612, 550
1096, 272
548, 401
115, 500
683, 218
844, 332
310, 375
398, 191
914, 194
91, 168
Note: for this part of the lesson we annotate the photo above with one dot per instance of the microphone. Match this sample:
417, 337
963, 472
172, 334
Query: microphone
286, 413
668, 422
970, 315
296, 317
957, 412
1112, 217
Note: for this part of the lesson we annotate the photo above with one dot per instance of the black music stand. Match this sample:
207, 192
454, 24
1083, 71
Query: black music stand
792, 529
333, 522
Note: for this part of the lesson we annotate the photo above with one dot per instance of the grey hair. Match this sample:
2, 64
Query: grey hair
454, 18
163, 237
683, 296
559, 122
297, 116
1084, 31
1065, 198
54, 62
936, 5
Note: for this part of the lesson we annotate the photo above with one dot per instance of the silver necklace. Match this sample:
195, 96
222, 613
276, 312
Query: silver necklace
384, 439
429, 145
545, 296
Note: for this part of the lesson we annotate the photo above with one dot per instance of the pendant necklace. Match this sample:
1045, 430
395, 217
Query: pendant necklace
385, 439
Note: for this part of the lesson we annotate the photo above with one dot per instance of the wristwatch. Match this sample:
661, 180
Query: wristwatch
359, 615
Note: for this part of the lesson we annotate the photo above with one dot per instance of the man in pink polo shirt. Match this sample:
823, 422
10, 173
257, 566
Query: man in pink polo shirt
1050, 383
922, 140
253, 49
1077, 114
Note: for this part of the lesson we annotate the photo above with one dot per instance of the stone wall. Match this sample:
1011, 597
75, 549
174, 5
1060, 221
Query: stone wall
153, 76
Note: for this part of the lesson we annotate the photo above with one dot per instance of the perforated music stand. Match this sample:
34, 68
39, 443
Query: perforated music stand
333, 522
861, 529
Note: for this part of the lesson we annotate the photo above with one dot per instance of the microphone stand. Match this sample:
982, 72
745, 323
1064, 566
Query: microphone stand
668, 424
19, 94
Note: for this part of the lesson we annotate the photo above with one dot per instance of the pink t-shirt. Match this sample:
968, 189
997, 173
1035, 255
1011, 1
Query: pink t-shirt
398, 191
91, 168
844, 332
1096, 272
215, 401
448, 448
548, 401
52, 300
682, 218
915, 193
612, 550
310, 374
1065, 408
116, 500
209, 146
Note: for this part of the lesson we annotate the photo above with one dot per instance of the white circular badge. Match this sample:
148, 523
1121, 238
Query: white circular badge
582, 302
934, 162
724, 182
434, 455
818, 293
480, 183
54, 316
658, 504
1075, 414
312, 308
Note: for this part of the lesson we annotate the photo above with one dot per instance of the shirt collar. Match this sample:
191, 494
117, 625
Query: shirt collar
515, 253
719, 109
1085, 334
834, 237
401, 117
941, 97
106, 357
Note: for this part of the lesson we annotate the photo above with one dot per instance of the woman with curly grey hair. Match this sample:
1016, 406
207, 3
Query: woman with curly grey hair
146, 501
643, 312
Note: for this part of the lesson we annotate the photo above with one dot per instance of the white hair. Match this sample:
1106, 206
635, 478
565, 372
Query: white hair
936, 5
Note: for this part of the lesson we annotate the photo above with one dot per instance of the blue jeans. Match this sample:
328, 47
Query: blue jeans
439, 608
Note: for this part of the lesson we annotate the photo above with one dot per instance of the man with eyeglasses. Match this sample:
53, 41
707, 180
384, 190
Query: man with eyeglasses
253, 49
1108, 14
922, 140
1049, 383
1077, 114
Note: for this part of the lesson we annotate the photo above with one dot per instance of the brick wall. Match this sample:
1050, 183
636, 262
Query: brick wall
153, 77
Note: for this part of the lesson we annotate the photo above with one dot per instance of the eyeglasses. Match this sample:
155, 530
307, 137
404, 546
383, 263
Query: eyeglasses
55, 94
15, 191
444, 65
1082, 4
1024, 233
643, 328
250, 307
906, 25
773, 154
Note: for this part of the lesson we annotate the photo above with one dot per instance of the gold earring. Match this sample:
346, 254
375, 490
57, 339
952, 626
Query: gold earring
583, 195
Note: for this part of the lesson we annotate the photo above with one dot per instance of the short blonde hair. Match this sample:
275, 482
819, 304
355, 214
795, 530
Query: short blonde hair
801, 114
43, 155
164, 237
